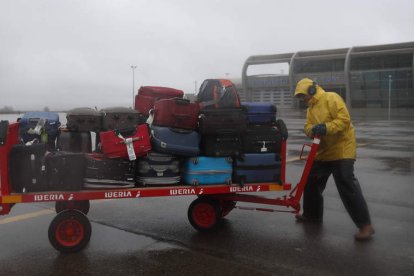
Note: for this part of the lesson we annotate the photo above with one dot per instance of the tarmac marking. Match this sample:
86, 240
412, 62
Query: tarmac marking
37, 214
27, 216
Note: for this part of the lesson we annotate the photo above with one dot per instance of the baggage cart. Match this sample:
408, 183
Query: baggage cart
70, 230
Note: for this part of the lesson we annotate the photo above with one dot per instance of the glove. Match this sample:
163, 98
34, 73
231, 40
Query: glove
319, 129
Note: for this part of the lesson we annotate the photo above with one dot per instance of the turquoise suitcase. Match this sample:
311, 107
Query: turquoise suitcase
207, 170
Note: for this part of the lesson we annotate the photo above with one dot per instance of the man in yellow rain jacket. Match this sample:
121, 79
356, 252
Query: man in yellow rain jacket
328, 117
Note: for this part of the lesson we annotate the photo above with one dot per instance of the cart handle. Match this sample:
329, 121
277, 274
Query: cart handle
302, 156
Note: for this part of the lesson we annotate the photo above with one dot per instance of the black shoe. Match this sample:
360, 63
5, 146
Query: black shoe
302, 218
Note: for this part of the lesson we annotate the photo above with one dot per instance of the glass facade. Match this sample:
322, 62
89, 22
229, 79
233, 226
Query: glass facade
318, 66
373, 78
365, 76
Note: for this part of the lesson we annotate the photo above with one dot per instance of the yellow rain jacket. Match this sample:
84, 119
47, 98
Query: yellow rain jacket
330, 109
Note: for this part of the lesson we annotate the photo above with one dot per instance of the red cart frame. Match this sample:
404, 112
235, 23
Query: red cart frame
70, 230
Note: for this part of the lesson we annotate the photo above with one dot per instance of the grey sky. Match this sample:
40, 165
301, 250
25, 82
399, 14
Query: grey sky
63, 53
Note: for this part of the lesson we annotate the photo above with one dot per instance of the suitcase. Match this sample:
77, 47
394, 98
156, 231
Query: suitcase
221, 145
207, 170
65, 171
262, 139
74, 141
158, 169
27, 170
176, 112
127, 143
148, 95
102, 172
260, 113
257, 168
175, 141
218, 93
221, 121
120, 118
32, 123
84, 119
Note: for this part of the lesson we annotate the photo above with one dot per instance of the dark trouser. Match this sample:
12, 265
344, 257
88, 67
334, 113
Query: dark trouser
347, 185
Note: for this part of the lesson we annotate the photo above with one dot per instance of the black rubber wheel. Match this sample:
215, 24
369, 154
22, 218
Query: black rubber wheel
204, 214
70, 231
80, 205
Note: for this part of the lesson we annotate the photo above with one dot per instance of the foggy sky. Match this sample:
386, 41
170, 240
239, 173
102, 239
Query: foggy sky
72, 53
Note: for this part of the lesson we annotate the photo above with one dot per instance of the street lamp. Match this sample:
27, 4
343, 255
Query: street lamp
389, 96
133, 67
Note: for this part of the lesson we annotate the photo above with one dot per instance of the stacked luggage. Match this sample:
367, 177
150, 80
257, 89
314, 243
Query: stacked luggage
262, 142
166, 140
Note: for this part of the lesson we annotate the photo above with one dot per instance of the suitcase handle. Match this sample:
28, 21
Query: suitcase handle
130, 131
181, 101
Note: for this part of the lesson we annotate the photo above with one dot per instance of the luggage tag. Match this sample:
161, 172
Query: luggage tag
150, 119
130, 147
263, 149
38, 128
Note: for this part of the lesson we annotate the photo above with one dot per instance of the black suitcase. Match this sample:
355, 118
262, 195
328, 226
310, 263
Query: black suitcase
262, 139
158, 169
121, 118
27, 170
257, 168
84, 119
103, 172
65, 171
221, 145
221, 121
74, 141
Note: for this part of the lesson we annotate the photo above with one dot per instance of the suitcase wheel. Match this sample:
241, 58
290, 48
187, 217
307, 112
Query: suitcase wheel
194, 182
194, 160
228, 181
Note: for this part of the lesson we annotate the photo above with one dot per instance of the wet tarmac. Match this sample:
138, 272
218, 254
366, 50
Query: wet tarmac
152, 236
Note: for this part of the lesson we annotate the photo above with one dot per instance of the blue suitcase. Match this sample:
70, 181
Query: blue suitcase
175, 141
32, 122
257, 168
207, 170
260, 113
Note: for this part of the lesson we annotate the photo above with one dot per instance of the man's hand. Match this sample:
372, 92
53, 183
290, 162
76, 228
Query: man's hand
319, 129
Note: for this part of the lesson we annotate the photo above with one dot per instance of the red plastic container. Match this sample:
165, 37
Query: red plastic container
177, 112
114, 146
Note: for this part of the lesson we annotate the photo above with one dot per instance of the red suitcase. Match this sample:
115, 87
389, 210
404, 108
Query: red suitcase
147, 95
176, 112
130, 143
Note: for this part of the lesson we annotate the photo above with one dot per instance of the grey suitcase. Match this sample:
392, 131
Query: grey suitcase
158, 169
84, 119
121, 118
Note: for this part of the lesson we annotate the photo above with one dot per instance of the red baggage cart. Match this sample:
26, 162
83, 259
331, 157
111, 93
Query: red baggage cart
70, 230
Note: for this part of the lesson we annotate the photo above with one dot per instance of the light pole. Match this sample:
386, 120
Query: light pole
133, 67
389, 96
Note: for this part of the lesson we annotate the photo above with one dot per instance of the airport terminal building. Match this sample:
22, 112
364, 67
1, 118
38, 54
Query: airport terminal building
366, 76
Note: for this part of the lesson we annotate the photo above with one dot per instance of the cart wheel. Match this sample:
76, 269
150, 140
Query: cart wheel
226, 207
69, 231
203, 214
80, 205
